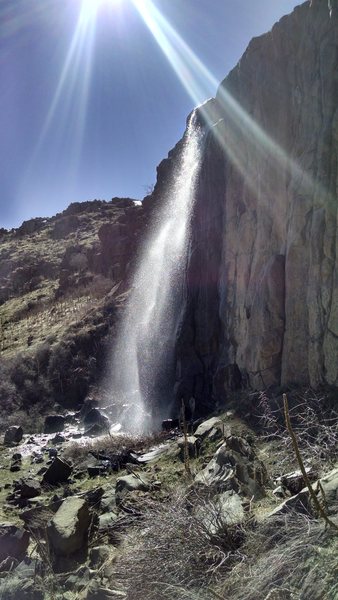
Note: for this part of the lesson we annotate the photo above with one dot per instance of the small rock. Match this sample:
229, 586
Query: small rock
279, 492
78, 579
68, 529
98, 555
17, 456
37, 458
13, 541
96, 470
95, 417
108, 501
58, 472
106, 521
52, 452
170, 424
29, 488
15, 467
13, 435
98, 592
58, 439
54, 424
300, 503
96, 430
131, 483
93, 497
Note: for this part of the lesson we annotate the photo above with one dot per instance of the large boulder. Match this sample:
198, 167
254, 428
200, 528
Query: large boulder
13, 541
234, 467
68, 530
13, 435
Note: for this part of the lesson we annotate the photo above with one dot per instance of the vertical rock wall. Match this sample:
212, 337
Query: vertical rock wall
262, 278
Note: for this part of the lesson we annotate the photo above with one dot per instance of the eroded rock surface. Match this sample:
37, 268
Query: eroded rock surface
262, 276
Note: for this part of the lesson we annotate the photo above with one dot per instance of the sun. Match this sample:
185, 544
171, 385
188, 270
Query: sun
89, 8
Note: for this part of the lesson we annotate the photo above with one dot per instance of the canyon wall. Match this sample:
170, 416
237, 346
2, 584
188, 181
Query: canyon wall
262, 278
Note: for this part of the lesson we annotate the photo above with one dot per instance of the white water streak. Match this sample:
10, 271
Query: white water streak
145, 344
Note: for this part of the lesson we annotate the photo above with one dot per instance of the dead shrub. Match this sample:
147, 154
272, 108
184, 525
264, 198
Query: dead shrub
291, 553
314, 419
177, 556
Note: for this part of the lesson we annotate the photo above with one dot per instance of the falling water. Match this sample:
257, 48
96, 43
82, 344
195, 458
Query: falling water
143, 360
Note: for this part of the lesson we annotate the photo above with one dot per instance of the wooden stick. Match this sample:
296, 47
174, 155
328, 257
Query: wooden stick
312, 493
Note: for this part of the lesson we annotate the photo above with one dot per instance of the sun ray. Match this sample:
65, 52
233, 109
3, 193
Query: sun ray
199, 82
72, 89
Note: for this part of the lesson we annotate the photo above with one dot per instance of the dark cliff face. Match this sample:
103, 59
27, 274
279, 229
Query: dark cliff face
262, 279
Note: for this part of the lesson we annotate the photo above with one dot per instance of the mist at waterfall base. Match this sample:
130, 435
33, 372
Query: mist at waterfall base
143, 365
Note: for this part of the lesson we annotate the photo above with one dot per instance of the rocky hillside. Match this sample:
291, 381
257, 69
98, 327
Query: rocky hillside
218, 511
62, 281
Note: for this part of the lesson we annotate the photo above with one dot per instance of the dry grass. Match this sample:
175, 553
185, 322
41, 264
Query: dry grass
176, 555
292, 553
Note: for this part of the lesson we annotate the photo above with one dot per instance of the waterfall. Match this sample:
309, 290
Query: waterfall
143, 359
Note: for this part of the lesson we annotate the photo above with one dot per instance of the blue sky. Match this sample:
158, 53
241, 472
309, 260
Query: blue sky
90, 103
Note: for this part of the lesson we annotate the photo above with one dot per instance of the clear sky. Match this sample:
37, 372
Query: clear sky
94, 93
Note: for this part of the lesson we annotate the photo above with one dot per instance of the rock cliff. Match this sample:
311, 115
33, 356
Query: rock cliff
262, 278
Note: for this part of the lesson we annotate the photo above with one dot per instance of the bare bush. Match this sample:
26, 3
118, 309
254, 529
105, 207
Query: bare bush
113, 445
290, 553
177, 555
314, 420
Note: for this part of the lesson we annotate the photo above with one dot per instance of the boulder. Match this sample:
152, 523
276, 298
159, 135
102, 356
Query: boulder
28, 488
54, 424
211, 428
108, 501
193, 445
13, 435
294, 482
226, 509
95, 417
170, 424
58, 472
106, 521
301, 501
131, 483
234, 467
16, 462
13, 541
329, 484
68, 530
